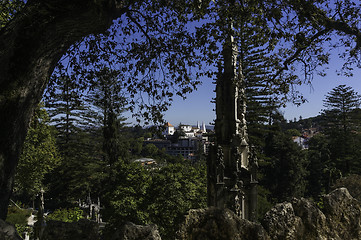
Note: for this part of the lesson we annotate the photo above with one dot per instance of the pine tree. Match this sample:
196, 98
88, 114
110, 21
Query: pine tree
107, 104
285, 175
64, 104
254, 44
261, 101
339, 105
77, 140
89, 134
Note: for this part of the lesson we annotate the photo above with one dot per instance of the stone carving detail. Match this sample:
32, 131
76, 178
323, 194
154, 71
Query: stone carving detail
237, 155
253, 164
220, 165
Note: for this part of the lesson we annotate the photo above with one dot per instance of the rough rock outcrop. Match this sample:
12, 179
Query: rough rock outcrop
343, 214
313, 220
8, 232
222, 224
282, 223
337, 217
81, 230
131, 231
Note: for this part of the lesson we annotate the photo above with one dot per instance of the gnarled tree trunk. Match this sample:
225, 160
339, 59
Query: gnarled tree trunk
30, 46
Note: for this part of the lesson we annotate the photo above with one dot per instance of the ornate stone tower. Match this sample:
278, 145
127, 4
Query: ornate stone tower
232, 168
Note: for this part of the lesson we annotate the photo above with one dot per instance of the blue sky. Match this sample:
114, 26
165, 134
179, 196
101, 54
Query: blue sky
198, 106
320, 87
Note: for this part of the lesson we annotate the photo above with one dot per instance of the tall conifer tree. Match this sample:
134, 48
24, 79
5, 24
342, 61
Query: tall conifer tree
107, 101
63, 102
78, 143
339, 104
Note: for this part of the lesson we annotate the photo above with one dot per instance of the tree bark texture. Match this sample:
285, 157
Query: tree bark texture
30, 47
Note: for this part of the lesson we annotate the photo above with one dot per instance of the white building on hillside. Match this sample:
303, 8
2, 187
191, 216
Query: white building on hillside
193, 131
169, 129
203, 129
190, 145
186, 128
189, 130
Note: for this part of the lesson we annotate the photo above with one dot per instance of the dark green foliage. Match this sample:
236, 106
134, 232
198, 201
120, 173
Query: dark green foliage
39, 156
339, 105
136, 146
111, 145
321, 169
177, 134
175, 189
106, 102
277, 156
261, 101
126, 194
92, 138
78, 141
66, 215
293, 132
263, 202
82, 173
65, 107
161, 196
335, 151
150, 150
285, 171
18, 215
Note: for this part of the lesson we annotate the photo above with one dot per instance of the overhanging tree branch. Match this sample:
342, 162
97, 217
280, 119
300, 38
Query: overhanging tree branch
318, 18
302, 46
140, 27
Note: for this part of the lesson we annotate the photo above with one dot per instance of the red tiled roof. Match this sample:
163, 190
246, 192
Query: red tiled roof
168, 125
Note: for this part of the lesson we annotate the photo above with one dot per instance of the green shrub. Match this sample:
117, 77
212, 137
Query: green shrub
66, 215
19, 218
18, 215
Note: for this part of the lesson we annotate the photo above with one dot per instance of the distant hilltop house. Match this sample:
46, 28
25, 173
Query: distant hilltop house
301, 141
169, 129
307, 134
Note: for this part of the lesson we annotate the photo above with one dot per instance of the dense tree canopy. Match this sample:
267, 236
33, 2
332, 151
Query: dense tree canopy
39, 156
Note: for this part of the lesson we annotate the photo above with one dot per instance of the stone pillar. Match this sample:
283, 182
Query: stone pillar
230, 183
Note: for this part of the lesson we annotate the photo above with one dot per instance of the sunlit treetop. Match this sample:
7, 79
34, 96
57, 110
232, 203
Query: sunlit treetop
8, 10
